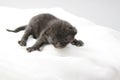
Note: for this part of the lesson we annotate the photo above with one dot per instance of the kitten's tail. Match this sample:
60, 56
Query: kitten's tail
17, 29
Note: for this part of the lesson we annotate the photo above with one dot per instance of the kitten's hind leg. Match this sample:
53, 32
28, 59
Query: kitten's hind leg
24, 38
77, 42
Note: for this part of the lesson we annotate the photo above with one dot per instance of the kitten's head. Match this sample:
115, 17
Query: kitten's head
62, 34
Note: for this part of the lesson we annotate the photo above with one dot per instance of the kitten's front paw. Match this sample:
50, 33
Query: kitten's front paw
78, 43
22, 43
30, 49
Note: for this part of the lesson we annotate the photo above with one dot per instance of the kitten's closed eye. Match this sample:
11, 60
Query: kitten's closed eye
69, 38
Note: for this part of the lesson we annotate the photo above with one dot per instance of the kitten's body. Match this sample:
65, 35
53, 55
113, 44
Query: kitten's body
48, 29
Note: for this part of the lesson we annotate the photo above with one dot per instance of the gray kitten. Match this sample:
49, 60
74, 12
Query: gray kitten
48, 29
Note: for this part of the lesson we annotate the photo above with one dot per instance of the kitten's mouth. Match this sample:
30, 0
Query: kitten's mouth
60, 47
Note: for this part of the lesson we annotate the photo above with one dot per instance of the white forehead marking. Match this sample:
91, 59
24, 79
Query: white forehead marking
50, 39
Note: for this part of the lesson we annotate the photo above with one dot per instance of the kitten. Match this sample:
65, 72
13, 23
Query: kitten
48, 29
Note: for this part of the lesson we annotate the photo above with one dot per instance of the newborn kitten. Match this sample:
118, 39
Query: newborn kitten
48, 29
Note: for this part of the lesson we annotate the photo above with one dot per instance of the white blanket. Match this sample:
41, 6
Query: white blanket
98, 59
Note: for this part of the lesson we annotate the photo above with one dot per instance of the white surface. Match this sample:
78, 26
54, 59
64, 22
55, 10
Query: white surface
98, 59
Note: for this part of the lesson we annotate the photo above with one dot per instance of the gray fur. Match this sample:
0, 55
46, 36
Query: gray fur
48, 29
